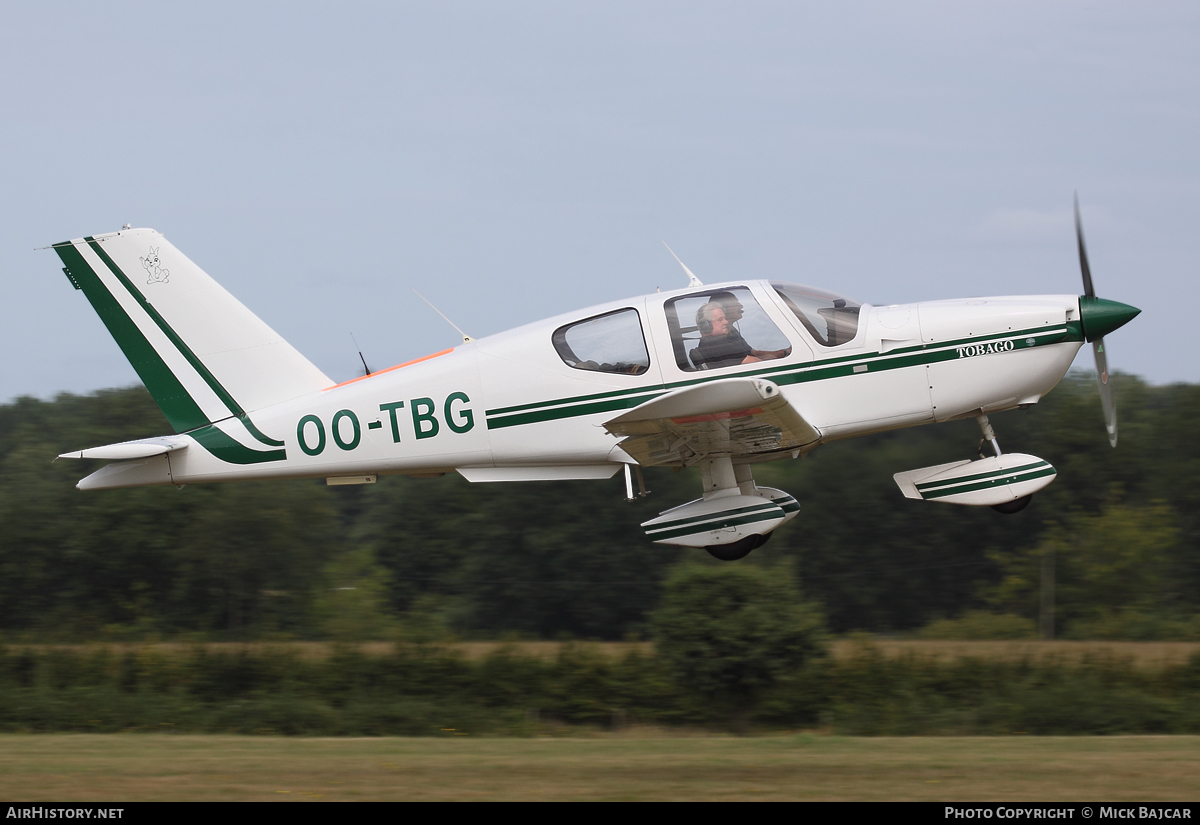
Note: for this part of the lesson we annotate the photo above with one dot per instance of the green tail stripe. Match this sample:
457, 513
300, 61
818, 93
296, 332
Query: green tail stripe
717, 525
788, 505
749, 508
983, 485
182, 412
254, 431
980, 476
226, 448
183, 348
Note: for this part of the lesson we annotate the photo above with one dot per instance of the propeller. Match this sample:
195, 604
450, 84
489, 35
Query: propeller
1099, 316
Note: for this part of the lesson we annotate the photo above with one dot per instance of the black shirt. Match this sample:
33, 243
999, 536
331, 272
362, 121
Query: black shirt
715, 351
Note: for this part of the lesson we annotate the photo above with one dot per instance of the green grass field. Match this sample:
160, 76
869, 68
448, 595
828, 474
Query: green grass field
634, 765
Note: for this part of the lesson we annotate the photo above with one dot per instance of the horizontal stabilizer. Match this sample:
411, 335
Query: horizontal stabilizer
734, 416
141, 472
126, 450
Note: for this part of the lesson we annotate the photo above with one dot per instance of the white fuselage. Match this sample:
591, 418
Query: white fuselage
507, 407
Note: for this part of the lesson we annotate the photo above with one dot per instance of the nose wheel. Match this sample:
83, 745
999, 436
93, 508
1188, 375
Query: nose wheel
739, 549
1014, 506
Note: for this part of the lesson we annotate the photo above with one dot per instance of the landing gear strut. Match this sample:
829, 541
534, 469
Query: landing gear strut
989, 436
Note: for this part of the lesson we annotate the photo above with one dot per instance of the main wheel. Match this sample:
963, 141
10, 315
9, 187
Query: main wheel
1014, 506
739, 549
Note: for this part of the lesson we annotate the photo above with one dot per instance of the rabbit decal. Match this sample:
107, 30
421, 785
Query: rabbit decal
154, 269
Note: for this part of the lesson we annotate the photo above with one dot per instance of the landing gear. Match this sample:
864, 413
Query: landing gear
1002, 481
739, 549
989, 435
734, 516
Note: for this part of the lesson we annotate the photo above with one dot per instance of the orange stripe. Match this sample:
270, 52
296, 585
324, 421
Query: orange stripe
389, 369
724, 416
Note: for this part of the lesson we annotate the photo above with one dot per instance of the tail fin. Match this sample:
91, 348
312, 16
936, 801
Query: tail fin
202, 354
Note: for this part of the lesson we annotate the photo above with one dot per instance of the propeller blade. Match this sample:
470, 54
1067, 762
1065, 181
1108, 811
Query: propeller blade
1106, 399
1105, 316
1088, 289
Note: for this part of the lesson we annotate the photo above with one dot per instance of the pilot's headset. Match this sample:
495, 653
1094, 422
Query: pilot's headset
704, 317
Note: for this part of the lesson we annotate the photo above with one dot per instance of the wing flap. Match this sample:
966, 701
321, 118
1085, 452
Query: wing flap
736, 416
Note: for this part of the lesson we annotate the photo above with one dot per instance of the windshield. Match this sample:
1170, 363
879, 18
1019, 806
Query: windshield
831, 319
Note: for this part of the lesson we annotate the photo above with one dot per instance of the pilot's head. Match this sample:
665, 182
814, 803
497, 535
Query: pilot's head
728, 302
711, 320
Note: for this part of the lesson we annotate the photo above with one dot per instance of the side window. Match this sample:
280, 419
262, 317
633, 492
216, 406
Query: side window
831, 319
722, 328
607, 343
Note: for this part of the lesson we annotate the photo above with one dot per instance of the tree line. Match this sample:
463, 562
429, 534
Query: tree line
297, 559
735, 648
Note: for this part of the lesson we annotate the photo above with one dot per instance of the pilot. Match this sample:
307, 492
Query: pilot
733, 313
732, 306
718, 348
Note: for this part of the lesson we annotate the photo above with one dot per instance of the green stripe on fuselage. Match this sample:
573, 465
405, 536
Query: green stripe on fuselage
839, 367
575, 399
554, 413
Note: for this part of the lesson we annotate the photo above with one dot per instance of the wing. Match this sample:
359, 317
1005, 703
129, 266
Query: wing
734, 417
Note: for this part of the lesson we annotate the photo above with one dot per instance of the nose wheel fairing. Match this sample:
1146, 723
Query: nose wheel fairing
985, 482
1003, 481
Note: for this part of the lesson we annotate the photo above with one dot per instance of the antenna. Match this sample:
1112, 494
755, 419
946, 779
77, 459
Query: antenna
466, 338
366, 369
692, 279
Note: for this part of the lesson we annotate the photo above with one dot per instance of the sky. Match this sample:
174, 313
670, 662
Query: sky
518, 160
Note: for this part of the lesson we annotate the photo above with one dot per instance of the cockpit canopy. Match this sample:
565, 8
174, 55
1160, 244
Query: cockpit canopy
710, 329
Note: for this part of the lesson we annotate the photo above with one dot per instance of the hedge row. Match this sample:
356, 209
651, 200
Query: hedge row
432, 691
